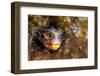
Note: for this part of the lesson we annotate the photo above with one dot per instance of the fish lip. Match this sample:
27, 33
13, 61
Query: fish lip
53, 44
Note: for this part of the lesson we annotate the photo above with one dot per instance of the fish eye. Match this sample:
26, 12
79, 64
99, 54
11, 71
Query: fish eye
49, 35
61, 37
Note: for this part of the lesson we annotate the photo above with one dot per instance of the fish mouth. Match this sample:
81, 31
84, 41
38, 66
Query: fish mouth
54, 46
